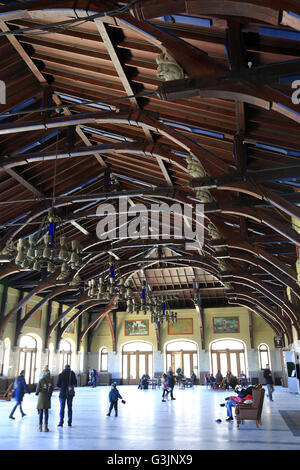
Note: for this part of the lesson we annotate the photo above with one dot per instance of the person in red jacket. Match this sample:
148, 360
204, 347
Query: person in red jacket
242, 396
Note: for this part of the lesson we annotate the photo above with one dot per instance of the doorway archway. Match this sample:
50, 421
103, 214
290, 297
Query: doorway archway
183, 354
228, 355
137, 360
30, 357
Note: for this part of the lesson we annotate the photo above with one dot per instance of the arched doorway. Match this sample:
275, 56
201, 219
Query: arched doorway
66, 348
137, 360
29, 360
183, 354
103, 359
228, 354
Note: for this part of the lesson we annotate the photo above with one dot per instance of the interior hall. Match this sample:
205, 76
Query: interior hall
149, 225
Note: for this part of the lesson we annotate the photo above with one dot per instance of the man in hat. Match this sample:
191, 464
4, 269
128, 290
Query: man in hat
66, 382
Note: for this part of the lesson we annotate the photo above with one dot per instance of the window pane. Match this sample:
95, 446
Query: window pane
132, 367
181, 345
6, 359
195, 364
34, 375
214, 364
104, 362
223, 363
169, 363
186, 365
243, 363
150, 365
177, 361
22, 361
137, 346
233, 364
27, 366
264, 359
27, 342
125, 357
142, 365
227, 344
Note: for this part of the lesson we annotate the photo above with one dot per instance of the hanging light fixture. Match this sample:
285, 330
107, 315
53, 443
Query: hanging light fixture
48, 247
105, 288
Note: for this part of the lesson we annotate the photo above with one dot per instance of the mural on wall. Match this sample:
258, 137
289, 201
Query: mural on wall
71, 327
136, 327
184, 326
35, 320
226, 325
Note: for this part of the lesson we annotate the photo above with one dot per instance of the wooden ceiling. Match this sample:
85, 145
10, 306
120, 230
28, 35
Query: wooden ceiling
233, 112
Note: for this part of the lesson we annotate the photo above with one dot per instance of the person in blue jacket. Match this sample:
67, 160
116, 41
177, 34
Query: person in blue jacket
20, 388
113, 397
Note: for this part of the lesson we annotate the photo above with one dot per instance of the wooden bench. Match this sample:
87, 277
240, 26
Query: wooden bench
221, 387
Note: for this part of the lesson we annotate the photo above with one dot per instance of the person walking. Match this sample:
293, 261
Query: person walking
164, 383
20, 387
171, 382
269, 381
44, 391
113, 397
66, 382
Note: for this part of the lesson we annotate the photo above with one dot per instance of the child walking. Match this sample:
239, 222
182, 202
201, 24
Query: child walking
164, 383
113, 397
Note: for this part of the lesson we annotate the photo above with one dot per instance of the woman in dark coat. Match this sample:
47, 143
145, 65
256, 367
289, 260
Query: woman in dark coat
44, 390
171, 382
20, 388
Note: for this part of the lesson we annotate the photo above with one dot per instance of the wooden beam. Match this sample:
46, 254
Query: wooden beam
21, 51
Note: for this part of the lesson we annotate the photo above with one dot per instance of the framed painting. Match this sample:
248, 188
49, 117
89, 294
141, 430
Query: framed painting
36, 319
184, 326
226, 325
136, 327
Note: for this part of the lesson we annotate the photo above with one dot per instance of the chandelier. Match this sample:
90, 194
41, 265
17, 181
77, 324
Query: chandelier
43, 251
136, 302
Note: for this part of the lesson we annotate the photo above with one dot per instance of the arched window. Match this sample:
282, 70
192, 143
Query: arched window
103, 360
228, 355
65, 353
6, 356
137, 360
30, 349
182, 354
51, 357
263, 356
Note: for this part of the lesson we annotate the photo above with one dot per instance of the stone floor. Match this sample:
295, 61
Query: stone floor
144, 422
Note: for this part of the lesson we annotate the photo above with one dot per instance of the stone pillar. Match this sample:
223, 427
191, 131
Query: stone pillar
1, 354
203, 365
13, 370
114, 364
158, 363
44, 358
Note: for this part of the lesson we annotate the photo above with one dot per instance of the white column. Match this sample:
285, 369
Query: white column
203, 364
1, 352
158, 362
13, 370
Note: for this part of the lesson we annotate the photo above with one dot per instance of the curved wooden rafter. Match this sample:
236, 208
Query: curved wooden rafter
270, 311
111, 306
277, 299
279, 330
49, 282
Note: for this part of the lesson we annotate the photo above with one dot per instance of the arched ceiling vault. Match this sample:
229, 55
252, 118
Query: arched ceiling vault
87, 106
